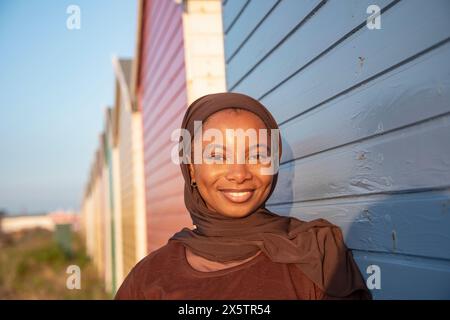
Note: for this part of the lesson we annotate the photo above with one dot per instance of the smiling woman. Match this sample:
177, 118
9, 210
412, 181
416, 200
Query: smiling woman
230, 188
239, 249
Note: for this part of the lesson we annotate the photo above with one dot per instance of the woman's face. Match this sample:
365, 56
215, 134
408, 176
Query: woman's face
233, 189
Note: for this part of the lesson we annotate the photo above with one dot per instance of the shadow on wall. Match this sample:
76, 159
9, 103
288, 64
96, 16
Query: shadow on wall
399, 241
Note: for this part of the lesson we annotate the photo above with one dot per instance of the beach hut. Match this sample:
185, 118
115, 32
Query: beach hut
179, 58
128, 135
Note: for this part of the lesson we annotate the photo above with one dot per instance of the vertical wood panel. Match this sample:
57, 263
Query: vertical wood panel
162, 97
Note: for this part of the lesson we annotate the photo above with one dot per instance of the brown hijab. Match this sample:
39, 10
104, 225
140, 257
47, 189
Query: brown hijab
316, 247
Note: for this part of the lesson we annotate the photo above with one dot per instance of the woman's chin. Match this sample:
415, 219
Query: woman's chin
236, 213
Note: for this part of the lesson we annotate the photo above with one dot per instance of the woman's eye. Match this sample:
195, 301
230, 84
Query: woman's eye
216, 156
258, 156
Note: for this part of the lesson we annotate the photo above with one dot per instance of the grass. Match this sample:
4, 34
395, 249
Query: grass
33, 266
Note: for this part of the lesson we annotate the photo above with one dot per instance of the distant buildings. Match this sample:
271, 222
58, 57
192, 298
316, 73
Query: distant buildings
48, 221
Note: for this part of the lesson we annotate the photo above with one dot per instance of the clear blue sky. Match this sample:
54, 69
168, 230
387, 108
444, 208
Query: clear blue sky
54, 85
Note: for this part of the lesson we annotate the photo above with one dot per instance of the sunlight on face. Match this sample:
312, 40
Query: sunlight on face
238, 188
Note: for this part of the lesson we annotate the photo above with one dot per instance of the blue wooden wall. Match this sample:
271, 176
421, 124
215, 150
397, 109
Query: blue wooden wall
365, 120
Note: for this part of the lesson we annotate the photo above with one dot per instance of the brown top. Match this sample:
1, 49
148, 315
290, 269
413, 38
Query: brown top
167, 275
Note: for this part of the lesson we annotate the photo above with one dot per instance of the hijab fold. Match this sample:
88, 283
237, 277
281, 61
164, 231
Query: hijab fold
316, 247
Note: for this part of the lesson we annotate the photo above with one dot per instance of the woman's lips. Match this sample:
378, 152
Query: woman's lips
237, 196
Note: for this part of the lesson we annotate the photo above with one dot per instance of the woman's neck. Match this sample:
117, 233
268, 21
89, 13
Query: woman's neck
202, 264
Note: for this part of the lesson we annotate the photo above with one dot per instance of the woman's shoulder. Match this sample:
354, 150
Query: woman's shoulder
149, 271
160, 259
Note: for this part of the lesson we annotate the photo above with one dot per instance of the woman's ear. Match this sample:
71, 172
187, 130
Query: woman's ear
191, 171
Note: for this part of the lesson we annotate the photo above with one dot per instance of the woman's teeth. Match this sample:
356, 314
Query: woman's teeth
237, 197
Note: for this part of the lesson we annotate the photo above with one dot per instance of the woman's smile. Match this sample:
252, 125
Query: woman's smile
237, 196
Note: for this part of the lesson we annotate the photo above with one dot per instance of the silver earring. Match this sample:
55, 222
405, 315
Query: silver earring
194, 184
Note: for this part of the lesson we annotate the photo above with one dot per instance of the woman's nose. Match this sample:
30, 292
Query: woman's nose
238, 173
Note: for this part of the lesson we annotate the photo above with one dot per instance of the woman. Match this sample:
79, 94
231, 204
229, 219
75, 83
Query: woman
239, 249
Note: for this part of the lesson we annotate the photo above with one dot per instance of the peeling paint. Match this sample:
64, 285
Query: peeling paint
380, 128
361, 61
367, 215
387, 181
361, 156
363, 184
394, 240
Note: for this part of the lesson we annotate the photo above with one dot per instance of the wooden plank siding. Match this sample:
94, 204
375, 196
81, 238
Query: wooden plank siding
179, 60
365, 120
99, 257
132, 200
127, 194
107, 213
111, 223
162, 97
